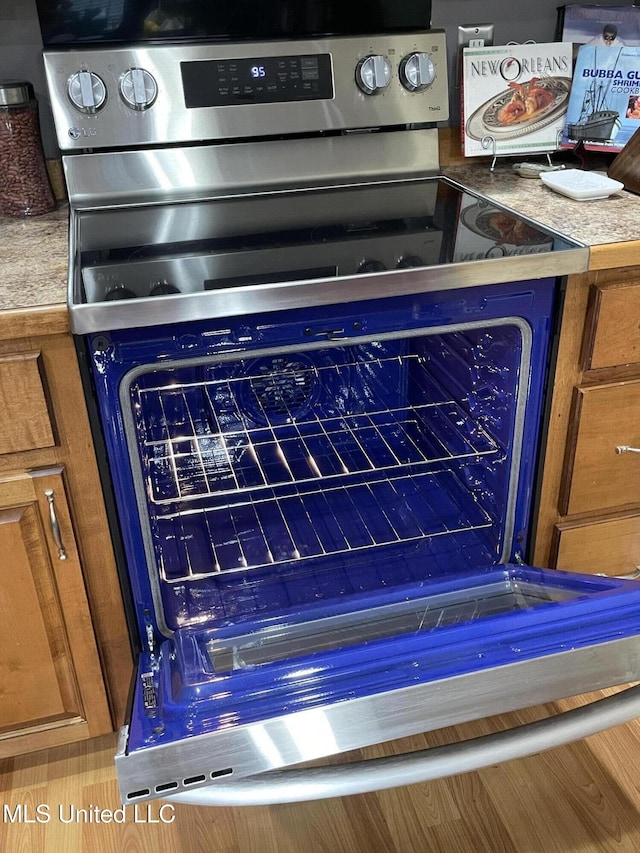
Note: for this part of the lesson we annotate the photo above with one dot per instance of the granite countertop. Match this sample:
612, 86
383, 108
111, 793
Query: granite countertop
604, 222
33, 274
34, 251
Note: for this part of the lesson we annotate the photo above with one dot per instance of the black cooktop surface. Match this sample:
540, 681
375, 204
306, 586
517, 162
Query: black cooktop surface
229, 242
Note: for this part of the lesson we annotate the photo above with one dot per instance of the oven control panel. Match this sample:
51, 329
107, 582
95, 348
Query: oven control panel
164, 94
270, 80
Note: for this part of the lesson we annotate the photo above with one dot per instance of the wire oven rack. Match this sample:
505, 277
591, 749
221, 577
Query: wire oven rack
314, 523
251, 478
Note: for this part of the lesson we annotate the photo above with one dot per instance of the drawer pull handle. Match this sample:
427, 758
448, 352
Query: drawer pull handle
624, 448
632, 576
55, 527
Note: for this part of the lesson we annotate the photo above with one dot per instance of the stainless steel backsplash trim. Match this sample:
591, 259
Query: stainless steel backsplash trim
117, 178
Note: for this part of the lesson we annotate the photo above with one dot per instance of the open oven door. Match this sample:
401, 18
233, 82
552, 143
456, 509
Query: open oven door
215, 714
326, 550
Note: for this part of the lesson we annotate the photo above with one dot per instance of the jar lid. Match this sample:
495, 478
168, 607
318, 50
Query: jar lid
13, 92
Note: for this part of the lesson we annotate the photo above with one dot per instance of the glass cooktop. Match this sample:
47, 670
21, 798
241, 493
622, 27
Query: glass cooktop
289, 249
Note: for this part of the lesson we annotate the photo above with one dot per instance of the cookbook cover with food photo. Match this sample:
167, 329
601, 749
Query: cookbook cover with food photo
514, 98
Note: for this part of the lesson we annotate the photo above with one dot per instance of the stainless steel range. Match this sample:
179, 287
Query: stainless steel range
318, 371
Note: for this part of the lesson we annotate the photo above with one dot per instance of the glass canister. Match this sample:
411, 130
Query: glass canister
25, 189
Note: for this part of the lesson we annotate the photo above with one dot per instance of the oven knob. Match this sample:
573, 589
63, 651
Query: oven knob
373, 73
163, 288
119, 292
86, 91
409, 262
417, 71
138, 89
371, 266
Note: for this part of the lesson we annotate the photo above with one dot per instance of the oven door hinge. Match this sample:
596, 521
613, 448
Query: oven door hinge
518, 559
151, 640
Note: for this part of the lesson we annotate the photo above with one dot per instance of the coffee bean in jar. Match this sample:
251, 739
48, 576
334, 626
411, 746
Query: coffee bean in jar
25, 189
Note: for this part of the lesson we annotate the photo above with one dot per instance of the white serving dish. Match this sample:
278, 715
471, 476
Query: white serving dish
579, 185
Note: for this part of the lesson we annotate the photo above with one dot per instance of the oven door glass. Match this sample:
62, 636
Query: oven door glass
327, 522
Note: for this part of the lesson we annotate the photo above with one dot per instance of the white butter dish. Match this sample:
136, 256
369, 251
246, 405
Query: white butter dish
579, 185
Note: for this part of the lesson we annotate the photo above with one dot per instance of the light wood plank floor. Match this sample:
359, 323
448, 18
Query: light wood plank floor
578, 798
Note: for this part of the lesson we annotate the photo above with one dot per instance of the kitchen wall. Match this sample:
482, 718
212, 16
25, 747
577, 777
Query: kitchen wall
20, 45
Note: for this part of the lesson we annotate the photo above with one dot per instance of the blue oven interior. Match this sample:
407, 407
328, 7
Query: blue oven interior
270, 471
260, 473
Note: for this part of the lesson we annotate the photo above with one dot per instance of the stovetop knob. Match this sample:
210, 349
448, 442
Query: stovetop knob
163, 288
138, 88
373, 74
417, 71
86, 91
371, 265
409, 262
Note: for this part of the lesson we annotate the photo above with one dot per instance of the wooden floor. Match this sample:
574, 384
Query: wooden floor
578, 798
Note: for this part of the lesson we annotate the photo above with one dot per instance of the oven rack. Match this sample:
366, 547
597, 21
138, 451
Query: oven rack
314, 523
242, 459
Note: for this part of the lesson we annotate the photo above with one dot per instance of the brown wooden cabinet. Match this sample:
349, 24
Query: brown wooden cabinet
65, 661
52, 685
589, 516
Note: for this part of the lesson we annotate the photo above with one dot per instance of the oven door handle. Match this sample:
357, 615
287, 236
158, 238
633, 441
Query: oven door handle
314, 783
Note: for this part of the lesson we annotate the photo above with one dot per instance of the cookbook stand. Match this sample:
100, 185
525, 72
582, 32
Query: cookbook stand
488, 142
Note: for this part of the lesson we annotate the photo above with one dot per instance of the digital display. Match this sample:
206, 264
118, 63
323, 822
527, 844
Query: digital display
259, 80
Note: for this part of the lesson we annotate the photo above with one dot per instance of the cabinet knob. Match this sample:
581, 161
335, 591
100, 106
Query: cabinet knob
624, 448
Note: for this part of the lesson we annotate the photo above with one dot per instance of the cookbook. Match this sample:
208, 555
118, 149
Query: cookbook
514, 98
604, 106
602, 26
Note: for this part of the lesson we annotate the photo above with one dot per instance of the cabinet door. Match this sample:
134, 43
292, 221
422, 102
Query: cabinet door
52, 686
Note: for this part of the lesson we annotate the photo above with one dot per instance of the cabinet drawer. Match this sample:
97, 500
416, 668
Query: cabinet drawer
610, 546
597, 477
25, 423
613, 326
